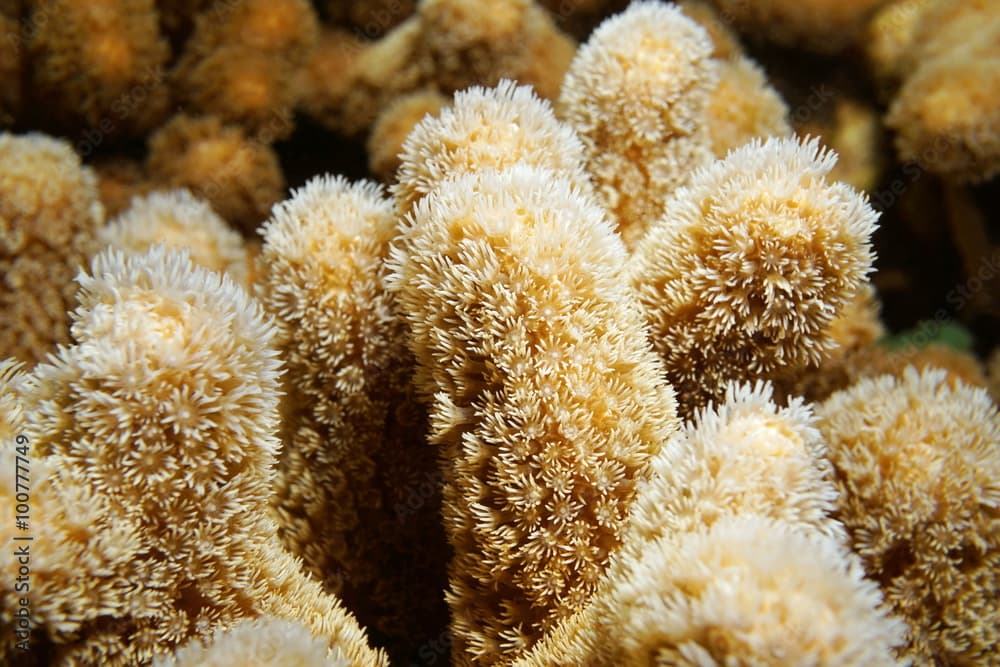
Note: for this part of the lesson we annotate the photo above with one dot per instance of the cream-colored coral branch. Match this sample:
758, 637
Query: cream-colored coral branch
749, 265
729, 548
545, 399
153, 438
637, 93
917, 458
354, 438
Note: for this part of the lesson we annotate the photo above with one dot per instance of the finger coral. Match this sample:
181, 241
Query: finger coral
486, 128
348, 81
545, 400
49, 214
179, 220
945, 113
636, 93
394, 124
918, 471
239, 63
821, 25
748, 266
744, 456
325, 80
155, 434
240, 178
889, 38
262, 642
99, 64
746, 591
474, 42
354, 439
743, 106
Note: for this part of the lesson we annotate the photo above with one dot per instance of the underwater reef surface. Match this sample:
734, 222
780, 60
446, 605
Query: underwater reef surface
499, 332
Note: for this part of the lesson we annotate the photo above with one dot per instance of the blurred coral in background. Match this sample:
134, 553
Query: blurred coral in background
500, 332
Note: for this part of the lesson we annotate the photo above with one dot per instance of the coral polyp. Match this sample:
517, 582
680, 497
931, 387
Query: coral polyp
496, 333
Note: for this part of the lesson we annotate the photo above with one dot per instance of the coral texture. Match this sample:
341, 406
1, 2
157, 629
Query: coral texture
101, 62
945, 113
481, 42
49, 214
750, 263
240, 62
746, 591
486, 128
798, 600
239, 177
918, 471
442, 427
354, 437
262, 642
153, 439
706, 574
179, 220
546, 416
744, 456
636, 93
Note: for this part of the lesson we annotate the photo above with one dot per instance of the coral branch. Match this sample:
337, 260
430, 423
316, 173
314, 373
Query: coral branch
354, 437
636, 93
749, 265
99, 64
49, 214
706, 575
241, 178
946, 113
918, 470
545, 399
487, 128
179, 220
154, 436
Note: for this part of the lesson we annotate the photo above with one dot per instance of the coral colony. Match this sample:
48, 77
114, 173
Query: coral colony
596, 376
